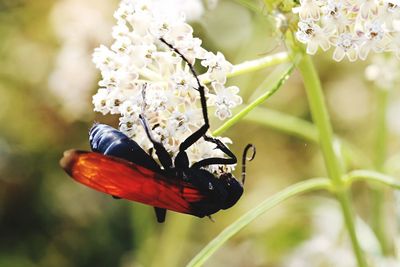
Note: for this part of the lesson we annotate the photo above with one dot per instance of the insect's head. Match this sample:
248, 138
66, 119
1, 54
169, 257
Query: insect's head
233, 187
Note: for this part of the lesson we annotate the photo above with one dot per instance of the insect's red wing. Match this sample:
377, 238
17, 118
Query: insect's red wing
127, 180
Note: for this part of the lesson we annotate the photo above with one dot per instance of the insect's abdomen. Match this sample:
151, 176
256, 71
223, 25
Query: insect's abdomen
109, 141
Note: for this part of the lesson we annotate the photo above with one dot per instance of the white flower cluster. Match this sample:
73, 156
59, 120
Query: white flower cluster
330, 246
352, 27
142, 74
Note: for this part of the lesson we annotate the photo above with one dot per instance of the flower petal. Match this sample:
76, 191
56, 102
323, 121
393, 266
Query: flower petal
339, 54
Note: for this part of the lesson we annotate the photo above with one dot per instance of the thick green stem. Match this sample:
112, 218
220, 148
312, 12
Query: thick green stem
334, 167
377, 216
269, 203
321, 118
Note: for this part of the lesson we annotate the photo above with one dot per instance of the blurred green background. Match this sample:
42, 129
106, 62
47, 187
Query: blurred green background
46, 83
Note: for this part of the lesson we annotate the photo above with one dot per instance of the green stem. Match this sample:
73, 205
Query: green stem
372, 176
334, 167
273, 89
321, 118
260, 63
377, 216
254, 65
244, 220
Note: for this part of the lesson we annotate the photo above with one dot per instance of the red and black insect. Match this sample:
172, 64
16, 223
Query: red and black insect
118, 166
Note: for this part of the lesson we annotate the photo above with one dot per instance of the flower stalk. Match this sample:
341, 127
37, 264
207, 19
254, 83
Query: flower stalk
371, 176
334, 167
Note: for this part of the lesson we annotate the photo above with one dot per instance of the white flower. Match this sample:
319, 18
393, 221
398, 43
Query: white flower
103, 58
367, 8
131, 107
345, 46
353, 27
373, 39
100, 101
128, 127
184, 82
335, 16
114, 100
143, 75
225, 99
311, 34
309, 9
218, 67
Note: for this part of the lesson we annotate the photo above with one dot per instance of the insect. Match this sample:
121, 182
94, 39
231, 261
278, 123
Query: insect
118, 166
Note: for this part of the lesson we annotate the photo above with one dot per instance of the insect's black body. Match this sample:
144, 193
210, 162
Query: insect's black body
174, 185
218, 193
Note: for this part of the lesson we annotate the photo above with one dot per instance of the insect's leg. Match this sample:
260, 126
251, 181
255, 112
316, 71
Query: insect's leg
181, 159
161, 152
150, 151
221, 146
160, 214
213, 161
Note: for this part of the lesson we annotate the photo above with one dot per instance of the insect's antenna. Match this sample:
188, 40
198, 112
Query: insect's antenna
245, 158
144, 97
200, 87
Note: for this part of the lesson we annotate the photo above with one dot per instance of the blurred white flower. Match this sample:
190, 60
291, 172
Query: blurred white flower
211, 4
353, 27
140, 73
329, 245
384, 71
78, 25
